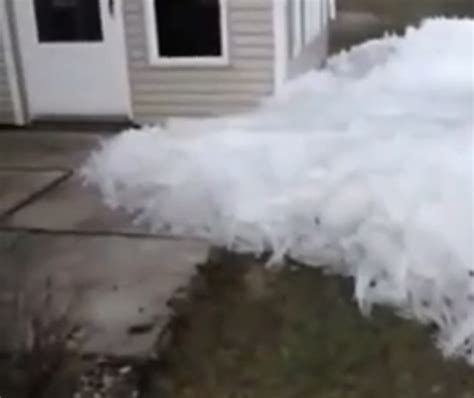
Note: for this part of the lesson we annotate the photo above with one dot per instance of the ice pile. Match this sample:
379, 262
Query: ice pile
365, 167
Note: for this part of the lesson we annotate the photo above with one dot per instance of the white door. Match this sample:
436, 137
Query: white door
74, 58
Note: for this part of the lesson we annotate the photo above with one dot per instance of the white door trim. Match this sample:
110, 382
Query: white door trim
119, 13
12, 71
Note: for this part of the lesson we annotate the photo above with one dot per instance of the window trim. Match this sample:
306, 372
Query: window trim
154, 57
297, 28
313, 24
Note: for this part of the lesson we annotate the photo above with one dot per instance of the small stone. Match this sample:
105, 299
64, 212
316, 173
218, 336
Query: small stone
436, 389
125, 370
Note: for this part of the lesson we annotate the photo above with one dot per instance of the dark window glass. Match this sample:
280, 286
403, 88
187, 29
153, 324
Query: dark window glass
68, 20
188, 28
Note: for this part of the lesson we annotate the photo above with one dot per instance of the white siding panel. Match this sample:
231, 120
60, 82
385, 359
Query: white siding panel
204, 77
252, 4
196, 98
238, 52
257, 28
244, 16
149, 115
250, 88
204, 91
252, 40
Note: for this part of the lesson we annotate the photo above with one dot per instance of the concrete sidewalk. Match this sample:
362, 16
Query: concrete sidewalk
69, 263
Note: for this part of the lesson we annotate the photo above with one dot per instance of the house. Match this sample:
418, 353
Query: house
142, 60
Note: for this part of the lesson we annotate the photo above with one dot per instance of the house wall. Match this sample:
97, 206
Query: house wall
159, 91
6, 102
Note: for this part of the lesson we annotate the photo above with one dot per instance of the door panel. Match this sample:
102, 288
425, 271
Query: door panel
74, 59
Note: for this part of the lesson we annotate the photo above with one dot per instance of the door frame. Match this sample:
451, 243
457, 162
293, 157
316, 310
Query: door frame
28, 116
11, 63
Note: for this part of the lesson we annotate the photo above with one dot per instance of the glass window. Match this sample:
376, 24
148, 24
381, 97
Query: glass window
188, 28
68, 20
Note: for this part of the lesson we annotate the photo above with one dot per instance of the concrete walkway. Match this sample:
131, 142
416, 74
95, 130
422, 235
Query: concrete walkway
70, 269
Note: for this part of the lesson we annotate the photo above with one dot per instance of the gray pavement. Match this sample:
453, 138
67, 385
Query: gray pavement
71, 267
73, 207
40, 150
16, 187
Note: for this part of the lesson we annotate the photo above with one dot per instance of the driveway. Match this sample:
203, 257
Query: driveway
68, 262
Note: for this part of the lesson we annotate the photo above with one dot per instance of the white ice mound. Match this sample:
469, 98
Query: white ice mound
365, 167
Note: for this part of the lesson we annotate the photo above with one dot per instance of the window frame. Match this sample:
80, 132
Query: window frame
153, 40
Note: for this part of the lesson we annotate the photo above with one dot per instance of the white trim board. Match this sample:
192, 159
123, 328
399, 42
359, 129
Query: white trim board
312, 20
155, 59
297, 27
127, 82
13, 82
280, 38
332, 9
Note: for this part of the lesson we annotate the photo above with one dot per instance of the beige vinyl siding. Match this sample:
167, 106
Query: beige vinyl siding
159, 91
6, 106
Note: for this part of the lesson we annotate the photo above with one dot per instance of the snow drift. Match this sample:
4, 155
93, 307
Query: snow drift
365, 167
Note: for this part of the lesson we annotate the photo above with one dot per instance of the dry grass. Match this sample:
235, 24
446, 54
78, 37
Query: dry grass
247, 332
